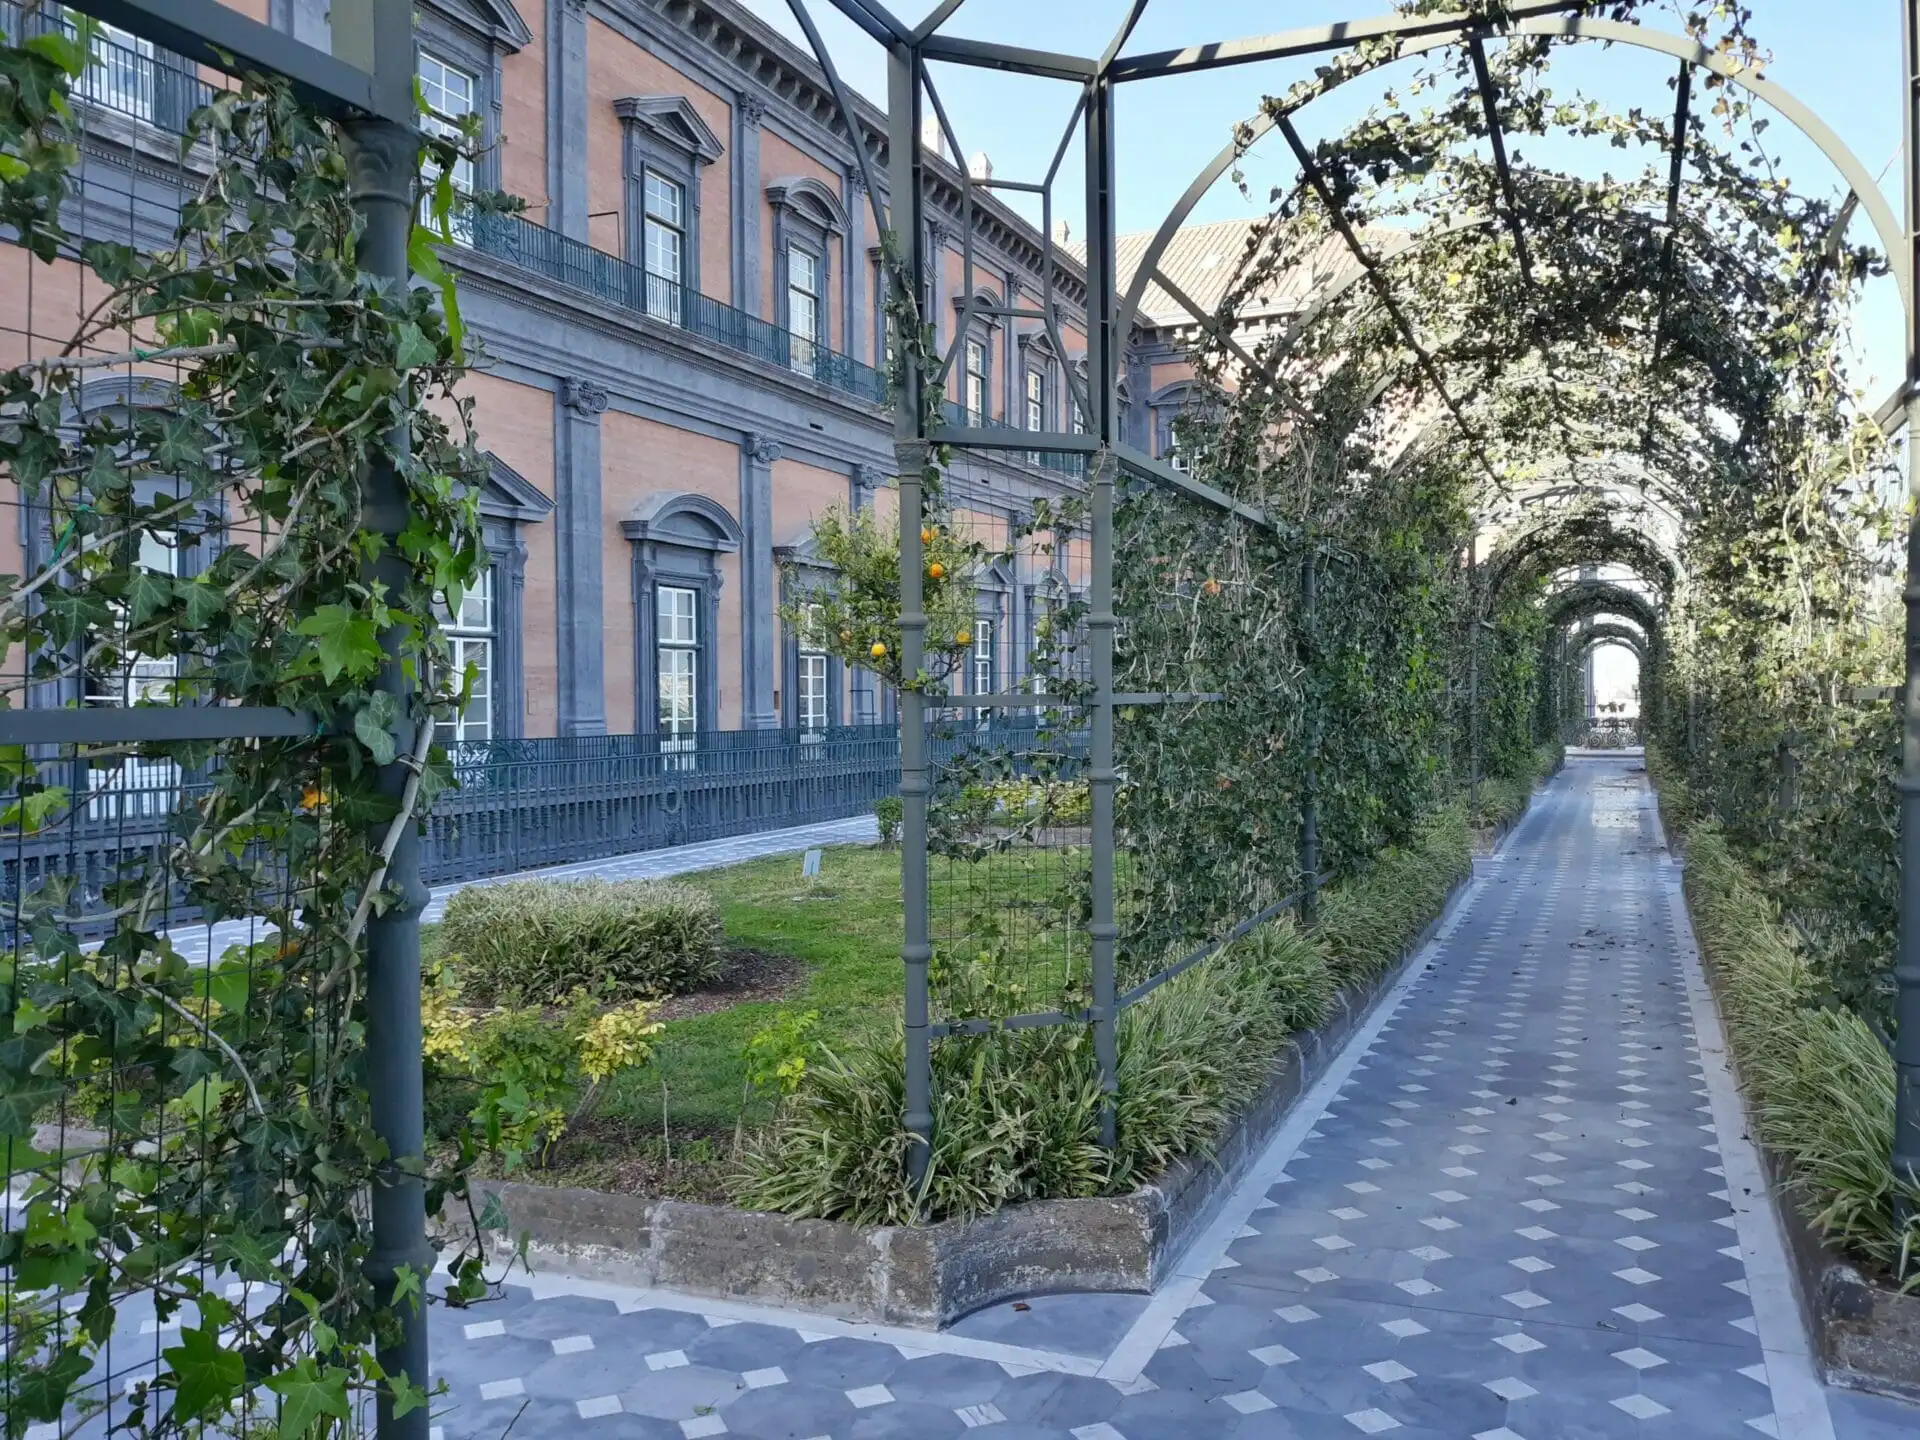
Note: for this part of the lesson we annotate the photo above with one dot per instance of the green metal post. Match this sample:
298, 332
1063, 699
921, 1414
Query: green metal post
1103, 349
383, 161
1310, 770
904, 91
1906, 1058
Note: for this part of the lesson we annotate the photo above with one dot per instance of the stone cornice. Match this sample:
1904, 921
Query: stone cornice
733, 40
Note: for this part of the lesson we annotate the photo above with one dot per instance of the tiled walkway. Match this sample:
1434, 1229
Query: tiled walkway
1520, 1208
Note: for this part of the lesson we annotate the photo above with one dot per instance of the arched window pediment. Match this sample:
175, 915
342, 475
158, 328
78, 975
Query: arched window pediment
680, 517
809, 200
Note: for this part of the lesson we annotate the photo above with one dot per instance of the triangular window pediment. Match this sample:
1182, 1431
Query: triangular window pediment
672, 120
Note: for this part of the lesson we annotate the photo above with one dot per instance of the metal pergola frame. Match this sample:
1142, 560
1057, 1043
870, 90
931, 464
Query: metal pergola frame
366, 84
1109, 319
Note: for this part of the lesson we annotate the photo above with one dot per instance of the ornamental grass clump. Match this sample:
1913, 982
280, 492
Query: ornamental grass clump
540, 941
1367, 923
1017, 1113
1821, 1084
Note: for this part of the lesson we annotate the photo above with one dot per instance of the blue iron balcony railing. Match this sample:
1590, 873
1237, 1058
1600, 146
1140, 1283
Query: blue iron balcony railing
608, 277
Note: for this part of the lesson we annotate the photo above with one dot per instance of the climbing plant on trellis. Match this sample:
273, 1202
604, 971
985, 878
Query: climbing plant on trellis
183, 1117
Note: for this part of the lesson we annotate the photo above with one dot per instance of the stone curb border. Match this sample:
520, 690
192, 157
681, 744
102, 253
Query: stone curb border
929, 1276
1865, 1336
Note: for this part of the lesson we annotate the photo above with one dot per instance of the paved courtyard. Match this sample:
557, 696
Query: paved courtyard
1520, 1208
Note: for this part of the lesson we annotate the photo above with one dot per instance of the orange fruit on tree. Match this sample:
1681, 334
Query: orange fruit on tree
936, 570
879, 650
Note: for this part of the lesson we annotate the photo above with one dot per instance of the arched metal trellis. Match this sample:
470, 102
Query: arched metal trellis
910, 47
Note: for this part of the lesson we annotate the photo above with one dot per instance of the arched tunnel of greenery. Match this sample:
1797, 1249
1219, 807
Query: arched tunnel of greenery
1547, 406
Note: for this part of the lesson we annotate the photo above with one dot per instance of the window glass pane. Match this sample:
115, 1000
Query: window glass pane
665, 199
121, 76
1036, 401
803, 303
813, 692
448, 92
677, 698
676, 608
803, 269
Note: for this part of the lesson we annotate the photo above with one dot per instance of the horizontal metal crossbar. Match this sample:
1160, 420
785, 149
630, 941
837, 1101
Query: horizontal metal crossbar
1138, 462
207, 32
1313, 40
983, 437
942, 1028
1046, 64
139, 724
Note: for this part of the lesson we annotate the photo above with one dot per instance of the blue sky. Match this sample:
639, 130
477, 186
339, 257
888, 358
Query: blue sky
1840, 57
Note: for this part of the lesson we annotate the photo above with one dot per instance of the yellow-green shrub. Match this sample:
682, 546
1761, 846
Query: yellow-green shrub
541, 941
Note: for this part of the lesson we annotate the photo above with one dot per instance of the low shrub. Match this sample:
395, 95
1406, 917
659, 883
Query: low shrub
524, 1074
1367, 921
1820, 1083
542, 941
887, 814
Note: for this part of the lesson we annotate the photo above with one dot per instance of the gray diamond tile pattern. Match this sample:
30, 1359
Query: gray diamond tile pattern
1546, 1251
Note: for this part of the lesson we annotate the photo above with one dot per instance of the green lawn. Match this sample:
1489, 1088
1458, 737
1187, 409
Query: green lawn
844, 926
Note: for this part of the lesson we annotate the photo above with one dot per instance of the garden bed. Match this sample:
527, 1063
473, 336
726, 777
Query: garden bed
1866, 1332
929, 1275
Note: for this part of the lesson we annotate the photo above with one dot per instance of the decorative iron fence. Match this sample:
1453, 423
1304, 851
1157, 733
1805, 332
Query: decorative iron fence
129, 76
608, 277
525, 804
1608, 732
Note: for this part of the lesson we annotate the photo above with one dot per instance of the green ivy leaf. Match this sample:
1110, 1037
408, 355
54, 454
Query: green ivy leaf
379, 740
205, 1376
64, 50
345, 642
411, 348
32, 811
308, 1393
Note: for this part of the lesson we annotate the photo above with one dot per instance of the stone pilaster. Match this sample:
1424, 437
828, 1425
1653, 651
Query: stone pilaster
567, 117
577, 538
759, 594
748, 111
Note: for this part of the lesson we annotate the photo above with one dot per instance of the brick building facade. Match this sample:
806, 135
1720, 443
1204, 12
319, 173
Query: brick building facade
685, 345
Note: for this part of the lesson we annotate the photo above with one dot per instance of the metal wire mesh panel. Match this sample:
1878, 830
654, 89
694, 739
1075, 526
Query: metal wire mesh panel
1008, 822
1212, 745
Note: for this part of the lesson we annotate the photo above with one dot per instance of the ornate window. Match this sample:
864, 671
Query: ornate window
982, 677
472, 639
1036, 408
806, 218
976, 381
813, 678
804, 305
677, 645
665, 147
448, 92
678, 538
